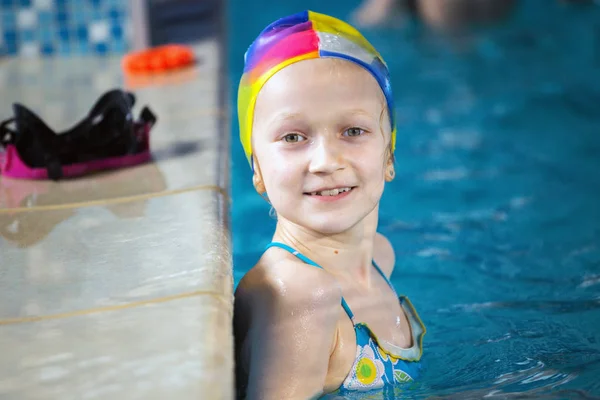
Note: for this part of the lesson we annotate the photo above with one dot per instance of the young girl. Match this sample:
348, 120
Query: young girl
318, 313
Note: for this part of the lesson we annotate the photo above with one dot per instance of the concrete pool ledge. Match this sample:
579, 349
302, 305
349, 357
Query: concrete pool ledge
119, 285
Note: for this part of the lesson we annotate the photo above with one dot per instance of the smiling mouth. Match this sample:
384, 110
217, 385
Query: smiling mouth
331, 192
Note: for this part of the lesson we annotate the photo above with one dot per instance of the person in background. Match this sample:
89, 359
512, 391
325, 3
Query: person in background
438, 14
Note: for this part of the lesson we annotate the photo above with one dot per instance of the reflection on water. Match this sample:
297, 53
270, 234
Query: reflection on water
23, 228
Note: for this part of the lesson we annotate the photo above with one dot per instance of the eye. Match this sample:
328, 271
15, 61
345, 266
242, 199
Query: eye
293, 138
354, 131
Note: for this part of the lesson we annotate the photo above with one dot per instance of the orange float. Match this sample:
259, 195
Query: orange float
158, 59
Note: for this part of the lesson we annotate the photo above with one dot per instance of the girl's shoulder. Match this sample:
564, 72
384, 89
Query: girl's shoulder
283, 280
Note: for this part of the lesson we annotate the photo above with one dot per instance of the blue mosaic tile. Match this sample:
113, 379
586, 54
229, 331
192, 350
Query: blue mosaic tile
115, 14
63, 34
101, 48
10, 36
116, 31
62, 18
97, 15
82, 33
64, 29
61, 7
28, 35
11, 47
46, 34
119, 47
9, 20
82, 48
45, 18
47, 49
64, 48
80, 18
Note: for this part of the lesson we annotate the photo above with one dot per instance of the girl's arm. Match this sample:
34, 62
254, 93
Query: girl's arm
294, 312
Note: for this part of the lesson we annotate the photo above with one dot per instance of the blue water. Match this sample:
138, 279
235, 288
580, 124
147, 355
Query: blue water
495, 211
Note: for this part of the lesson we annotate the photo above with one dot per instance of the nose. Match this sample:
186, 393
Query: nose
326, 157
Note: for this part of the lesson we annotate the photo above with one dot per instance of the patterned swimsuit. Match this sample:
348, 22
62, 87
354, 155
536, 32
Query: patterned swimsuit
378, 364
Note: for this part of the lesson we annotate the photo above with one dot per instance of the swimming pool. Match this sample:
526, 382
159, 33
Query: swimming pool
495, 211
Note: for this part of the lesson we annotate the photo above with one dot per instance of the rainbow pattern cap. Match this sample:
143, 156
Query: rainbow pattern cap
298, 37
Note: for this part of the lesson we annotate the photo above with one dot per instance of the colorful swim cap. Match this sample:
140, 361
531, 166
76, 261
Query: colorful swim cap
298, 37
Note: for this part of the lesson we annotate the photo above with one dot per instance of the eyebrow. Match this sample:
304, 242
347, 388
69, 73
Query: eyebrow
359, 111
290, 116
283, 117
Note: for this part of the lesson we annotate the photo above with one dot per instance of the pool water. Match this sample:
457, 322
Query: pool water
495, 210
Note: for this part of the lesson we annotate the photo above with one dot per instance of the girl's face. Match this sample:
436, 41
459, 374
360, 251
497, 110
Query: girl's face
320, 135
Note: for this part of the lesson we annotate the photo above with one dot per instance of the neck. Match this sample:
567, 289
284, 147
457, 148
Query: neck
346, 254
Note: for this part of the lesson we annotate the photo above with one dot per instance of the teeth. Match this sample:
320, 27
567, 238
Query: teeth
332, 192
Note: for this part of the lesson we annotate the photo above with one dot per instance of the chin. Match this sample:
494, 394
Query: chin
330, 226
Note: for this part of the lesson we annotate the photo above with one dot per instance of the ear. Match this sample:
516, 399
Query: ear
390, 173
258, 183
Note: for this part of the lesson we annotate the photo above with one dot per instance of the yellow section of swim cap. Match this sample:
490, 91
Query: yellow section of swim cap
328, 24
247, 95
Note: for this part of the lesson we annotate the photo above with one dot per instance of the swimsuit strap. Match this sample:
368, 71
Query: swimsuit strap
314, 264
384, 277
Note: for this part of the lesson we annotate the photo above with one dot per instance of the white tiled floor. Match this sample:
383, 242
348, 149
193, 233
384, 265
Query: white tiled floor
118, 285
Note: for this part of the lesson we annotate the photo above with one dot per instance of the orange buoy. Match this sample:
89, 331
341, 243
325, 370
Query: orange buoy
158, 59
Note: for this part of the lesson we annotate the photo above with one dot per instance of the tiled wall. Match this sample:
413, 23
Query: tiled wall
63, 27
